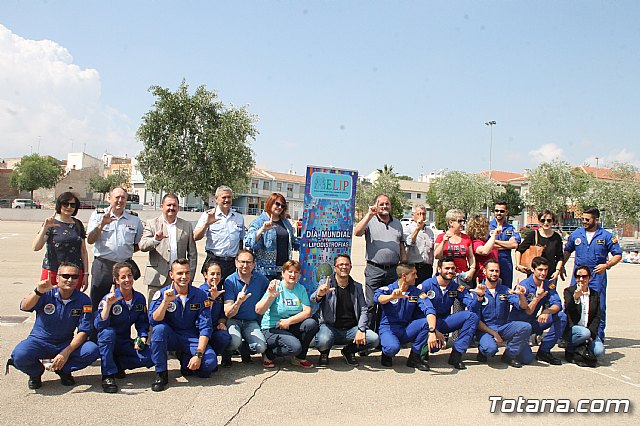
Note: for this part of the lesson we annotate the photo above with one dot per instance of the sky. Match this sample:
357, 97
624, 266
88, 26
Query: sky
349, 84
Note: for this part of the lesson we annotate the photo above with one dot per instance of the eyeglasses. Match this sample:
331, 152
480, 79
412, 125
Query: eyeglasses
67, 276
582, 277
281, 205
245, 262
343, 265
499, 211
68, 204
546, 221
460, 221
586, 220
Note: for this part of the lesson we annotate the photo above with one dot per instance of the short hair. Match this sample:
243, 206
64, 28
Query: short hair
593, 212
247, 251
291, 264
478, 227
181, 261
169, 195
490, 261
268, 205
381, 195
546, 212
208, 264
65, 196
118, 187
116, 269
223, 188
346, 256
418, 206
501, 203
445, 259
538, 261
583, 267
453, 214
68, 265
404, 268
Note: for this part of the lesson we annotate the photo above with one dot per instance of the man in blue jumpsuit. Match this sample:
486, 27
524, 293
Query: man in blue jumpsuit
494, 327
592, 245
59, 311
544, 311
181, 318
407, 316
220, 337
117, 312
506, 241
442, 291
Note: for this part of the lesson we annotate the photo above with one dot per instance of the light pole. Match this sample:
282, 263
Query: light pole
597, 164
490, 124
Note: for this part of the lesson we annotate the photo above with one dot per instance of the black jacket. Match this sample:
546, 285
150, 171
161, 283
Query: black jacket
574, 311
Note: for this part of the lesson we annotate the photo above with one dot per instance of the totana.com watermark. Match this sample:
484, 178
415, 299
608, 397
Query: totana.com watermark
523, 405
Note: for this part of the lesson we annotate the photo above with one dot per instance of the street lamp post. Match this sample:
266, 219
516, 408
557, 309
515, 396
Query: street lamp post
597, 166
490, 124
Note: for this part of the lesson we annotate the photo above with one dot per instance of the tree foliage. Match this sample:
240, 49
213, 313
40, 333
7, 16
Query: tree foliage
509, 195
194, 143
386, 183
104, 184
552, 186
459, 190
34, 172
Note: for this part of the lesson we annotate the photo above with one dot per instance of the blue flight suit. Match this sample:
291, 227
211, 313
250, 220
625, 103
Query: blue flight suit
590, 255
556, 322
504, 256
181, 329
114, 334
220, 339
53, 331
494, 313
446, 322
403, 320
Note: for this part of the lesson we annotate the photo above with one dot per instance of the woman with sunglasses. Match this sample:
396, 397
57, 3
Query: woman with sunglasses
271, 237
547, 238
64, 237
457, 244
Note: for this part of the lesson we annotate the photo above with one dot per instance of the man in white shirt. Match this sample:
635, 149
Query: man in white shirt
419, 240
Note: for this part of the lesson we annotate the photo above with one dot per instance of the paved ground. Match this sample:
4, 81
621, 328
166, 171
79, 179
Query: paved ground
337, 395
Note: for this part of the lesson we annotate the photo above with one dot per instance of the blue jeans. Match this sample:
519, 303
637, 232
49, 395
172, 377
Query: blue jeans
515, 333
294, 341
250, 331
329, 335
579, 335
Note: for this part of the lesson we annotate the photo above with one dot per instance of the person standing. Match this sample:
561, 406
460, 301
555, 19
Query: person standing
547, 238
506, 241
419, 239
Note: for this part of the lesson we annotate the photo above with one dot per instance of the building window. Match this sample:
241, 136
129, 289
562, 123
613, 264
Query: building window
266, 185
418, 196
279, 186
407, 195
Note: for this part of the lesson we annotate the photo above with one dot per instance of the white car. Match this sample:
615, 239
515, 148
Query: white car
23, 203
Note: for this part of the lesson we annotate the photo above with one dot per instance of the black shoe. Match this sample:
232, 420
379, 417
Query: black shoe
569, 356
481, 357
226, 361
162, 379
349, 357
562, 343
511, 361
121, 374
414, 361
323, 360
386, 361
109, 384
547, 357
455, 359
581, 363
35, 382
65, 378
246, 358
185, 372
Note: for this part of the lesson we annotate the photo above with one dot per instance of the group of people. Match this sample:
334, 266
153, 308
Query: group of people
250, 301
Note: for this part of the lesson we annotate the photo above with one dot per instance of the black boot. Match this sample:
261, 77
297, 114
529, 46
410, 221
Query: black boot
109, 384
386, 361
323, 361
226, 360
455, 359
35, 382
414, 361
349, 355
162, 379
65, 378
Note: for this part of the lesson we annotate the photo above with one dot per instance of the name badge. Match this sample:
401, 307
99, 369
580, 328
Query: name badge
76, 312
412, 299
195, 306
601, 242
139, 308
503, 296
453, 293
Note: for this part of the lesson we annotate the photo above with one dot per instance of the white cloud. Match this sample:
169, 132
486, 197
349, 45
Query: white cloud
546, 153
621, 155
43, 94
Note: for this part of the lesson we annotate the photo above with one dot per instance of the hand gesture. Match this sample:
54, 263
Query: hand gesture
242, 296
577, 294
211, 216
541, 293
284, 324
373, 210
214, 293
480, 290
160, 234
447, 235
498, 230
520, 290
45, 285
398, 294
112, 299
420, 224
273, 289
268, 224
170, 294
50, 222
106, 218
324, 288
361, 338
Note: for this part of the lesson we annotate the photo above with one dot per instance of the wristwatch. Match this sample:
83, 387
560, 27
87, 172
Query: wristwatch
432, 330
363, 329
199, 354
35, 290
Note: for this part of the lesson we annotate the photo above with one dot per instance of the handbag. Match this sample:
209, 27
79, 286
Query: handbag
533, 251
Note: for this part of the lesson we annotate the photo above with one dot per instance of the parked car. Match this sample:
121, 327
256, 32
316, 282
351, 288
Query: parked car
24, 203
5, 203
531, 226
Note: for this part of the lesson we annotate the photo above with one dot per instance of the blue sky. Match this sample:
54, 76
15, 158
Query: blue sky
353, 84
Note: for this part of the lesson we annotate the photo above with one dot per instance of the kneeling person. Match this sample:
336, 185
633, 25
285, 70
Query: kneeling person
117, 312
59, 312
342, 314
401, 303
181, 318
220, 337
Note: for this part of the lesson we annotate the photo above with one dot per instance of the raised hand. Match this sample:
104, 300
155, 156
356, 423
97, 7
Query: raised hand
273, 289
112, 299
46, 285
50, 222
480, 290
323, 289
106, 218
214, 293
520, 290
268, 224
242, 296
373, 210
160, 234
211, 216
541, 293
398, 294
170, 294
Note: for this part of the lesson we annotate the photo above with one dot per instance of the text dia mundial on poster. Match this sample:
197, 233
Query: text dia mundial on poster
327, 223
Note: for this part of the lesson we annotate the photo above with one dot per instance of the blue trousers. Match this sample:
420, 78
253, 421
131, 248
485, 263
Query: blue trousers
164, 339
466, 322
579, 335
219, 341
556, 324
506, 267
117, 353
392, 336
27, 355
249, 331
328, 336
515, 333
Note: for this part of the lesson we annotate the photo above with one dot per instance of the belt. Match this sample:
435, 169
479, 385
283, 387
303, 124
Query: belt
377, 265
220, 258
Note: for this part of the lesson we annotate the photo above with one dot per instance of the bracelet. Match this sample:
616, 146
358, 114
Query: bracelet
35, 290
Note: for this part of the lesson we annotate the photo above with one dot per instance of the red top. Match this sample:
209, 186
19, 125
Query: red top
481, 258
459, 251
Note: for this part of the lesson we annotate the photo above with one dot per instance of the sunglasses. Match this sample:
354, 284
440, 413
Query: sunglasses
460, 221
546, 221
68, 204
499, 211
279, 204
582, 277
67, 276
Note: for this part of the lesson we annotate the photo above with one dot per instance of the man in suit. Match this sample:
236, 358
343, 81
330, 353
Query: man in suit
582, 306
167, 238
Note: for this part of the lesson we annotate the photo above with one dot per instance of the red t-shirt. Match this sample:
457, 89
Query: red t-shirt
459, 251
481, 258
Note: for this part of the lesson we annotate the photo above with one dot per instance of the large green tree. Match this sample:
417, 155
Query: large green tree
386, 183
35, 171
552, 186
194, 143
459, 190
